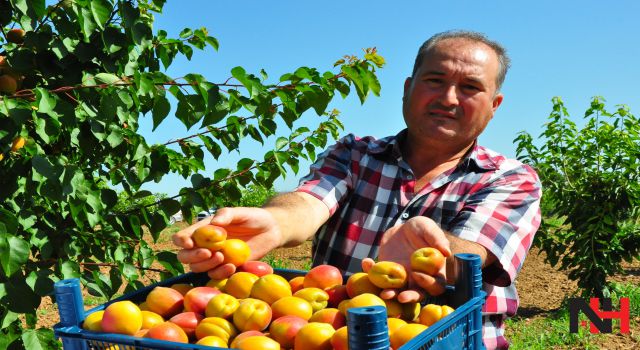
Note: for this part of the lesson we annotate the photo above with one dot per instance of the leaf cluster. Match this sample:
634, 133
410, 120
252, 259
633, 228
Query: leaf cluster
87, 71
591, 191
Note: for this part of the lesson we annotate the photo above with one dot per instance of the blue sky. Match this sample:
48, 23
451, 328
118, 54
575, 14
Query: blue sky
572, 49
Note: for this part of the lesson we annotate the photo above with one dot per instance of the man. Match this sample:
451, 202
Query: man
430, 185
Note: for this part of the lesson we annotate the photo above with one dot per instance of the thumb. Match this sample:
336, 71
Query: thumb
223, 217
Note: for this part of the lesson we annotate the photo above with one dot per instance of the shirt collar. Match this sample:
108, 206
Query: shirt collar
478, 156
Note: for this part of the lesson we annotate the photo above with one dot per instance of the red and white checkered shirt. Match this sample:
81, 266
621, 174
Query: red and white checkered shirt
488, 199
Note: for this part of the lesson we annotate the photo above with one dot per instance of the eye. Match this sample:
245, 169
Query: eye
470, 87
433, 81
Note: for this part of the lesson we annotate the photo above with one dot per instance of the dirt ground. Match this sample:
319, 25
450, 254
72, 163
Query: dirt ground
541, 289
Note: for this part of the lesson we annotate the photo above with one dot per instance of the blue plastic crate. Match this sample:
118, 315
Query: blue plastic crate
462, 329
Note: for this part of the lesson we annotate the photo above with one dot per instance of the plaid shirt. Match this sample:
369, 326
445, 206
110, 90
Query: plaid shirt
488, 199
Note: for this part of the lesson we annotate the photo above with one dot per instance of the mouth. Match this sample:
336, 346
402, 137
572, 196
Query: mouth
442, 114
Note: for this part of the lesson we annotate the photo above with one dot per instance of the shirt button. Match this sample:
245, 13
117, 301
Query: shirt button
405, 215
410, 177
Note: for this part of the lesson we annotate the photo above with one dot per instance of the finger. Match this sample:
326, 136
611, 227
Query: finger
367, 263
389, 234
388, 294
206, 265
434, 285
225, 216
221, 272
183, 239
433, 235
190, 256
410, 296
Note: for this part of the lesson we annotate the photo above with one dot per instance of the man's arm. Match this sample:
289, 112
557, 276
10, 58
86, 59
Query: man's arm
299, 216
459, 245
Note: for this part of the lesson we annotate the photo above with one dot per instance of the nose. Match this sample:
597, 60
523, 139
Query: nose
449, 96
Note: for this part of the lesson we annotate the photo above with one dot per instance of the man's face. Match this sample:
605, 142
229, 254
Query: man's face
452, 95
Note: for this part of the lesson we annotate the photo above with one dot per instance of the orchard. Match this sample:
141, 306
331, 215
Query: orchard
76, 79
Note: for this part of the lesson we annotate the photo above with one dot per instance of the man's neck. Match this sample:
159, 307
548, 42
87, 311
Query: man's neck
428, 160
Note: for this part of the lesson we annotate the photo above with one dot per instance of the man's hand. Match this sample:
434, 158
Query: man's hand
399, 242
256, 226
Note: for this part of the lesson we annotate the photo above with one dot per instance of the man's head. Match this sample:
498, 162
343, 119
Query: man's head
453, 91
500, 51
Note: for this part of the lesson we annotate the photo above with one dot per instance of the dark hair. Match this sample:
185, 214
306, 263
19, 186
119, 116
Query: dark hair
501, 52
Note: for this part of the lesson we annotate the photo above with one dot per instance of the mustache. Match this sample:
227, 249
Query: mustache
438, 108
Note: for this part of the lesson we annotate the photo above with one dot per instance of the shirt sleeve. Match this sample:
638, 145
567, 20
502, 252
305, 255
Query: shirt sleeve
330, 178
502, 216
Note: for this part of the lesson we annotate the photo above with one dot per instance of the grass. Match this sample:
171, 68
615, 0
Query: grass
552, 332
275, 262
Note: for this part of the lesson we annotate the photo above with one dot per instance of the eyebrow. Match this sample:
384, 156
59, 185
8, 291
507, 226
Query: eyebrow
440, 73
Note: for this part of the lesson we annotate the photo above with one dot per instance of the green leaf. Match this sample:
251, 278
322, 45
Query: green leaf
170, 262
38, 339
8, 222
281, 142
46, 102
101, 11
107, 78
115, 138
14, 254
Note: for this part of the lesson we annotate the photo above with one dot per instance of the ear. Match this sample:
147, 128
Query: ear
497, 101
407, 87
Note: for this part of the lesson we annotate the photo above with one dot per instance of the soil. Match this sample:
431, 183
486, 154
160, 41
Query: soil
541, 288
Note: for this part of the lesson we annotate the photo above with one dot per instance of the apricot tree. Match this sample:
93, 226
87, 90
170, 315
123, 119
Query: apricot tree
85, 73
591, 191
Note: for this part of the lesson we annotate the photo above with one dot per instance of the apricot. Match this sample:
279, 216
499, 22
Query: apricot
388, 274
243, 335
336, 295
323, 277
216, 326
410, 311
183, 288
405, 333
18, 143
196, 299
222, 305
257, 342
212, 340
150, 319
427, 260
314, 336
296, 283
365, 299
359, 283
394, 323
167, 331
8, 84
122, 317
432, 313
291, 306
188, 321
340, 339
331, 316
258, 268
239, 284
235, 251
219, 284
284, 329
446, 309
210, 237
270, 288
92, 322
165, 301
252, 314
318, 298
394, 308
16, 36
